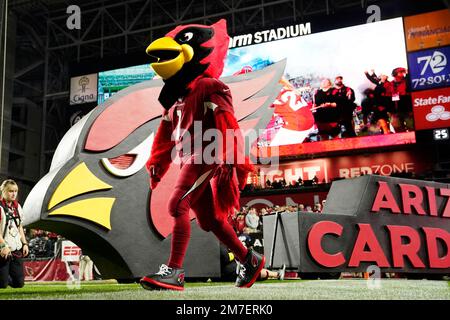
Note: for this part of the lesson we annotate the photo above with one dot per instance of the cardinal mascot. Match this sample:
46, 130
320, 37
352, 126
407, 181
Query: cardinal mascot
190, 60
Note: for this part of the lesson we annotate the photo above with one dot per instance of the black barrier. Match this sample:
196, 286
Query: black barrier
398, 225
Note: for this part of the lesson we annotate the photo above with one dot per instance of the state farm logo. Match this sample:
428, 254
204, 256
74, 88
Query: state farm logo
431, 109
438, 113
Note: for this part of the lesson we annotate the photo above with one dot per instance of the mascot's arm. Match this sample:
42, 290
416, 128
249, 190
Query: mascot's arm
160, 158
232, 141
233, 145
233, 156
216, 96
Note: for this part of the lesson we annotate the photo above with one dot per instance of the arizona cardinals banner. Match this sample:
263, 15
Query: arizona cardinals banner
397, 225
46, 270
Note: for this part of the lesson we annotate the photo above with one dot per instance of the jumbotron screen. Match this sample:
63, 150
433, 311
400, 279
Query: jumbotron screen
342, 89
112, 81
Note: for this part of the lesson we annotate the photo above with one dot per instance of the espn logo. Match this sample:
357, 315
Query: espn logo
71, 251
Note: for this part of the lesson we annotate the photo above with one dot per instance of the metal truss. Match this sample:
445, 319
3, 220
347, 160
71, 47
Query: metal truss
123, 26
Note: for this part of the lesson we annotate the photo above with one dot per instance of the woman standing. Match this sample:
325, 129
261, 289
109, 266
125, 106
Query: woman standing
325, 111
383, 104
13, 244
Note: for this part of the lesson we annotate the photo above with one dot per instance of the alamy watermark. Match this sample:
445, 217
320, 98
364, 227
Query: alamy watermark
74, 281
74, 20
210, 146
375, 13
374, 279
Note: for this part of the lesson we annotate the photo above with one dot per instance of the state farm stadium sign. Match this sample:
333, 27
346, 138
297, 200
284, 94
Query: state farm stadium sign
398, 225
270, 35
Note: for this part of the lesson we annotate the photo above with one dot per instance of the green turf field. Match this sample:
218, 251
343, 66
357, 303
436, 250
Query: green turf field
390, 289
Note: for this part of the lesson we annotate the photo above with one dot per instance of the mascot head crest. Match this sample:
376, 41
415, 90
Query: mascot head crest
187, 53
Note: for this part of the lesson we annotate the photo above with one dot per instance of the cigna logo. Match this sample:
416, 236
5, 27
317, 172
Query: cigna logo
83, 82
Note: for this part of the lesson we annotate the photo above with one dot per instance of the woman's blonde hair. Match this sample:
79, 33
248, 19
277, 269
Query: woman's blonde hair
4, 187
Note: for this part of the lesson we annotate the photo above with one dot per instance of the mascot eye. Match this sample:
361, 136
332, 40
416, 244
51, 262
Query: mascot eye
128, 164
187, 37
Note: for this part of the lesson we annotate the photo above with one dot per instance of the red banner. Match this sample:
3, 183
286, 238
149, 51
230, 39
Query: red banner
363, 142
45, 270
326, 169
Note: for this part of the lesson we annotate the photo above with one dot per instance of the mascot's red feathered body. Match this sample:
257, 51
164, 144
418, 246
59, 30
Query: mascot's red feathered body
190, 60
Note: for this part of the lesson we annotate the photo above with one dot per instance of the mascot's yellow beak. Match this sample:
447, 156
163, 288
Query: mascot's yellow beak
169, 56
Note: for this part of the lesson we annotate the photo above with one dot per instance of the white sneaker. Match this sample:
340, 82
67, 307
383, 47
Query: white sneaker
282, 272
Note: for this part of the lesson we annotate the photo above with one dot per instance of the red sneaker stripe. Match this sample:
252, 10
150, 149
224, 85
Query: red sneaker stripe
162, 285
256, 275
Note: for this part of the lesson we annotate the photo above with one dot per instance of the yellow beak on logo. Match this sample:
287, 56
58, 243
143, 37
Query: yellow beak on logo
81, 181
169, 56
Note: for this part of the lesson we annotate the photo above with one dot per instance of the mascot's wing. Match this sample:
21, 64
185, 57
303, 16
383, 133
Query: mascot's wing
253, 94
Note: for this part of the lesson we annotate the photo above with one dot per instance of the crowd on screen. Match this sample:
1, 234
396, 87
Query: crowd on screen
386, 107
389, 104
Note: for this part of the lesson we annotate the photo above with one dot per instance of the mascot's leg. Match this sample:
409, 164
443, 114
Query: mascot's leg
250, 262
190, 185
193, 190
208, 221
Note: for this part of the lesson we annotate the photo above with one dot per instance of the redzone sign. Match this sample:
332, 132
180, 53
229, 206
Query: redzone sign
381, 169
399, 225
326, 169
